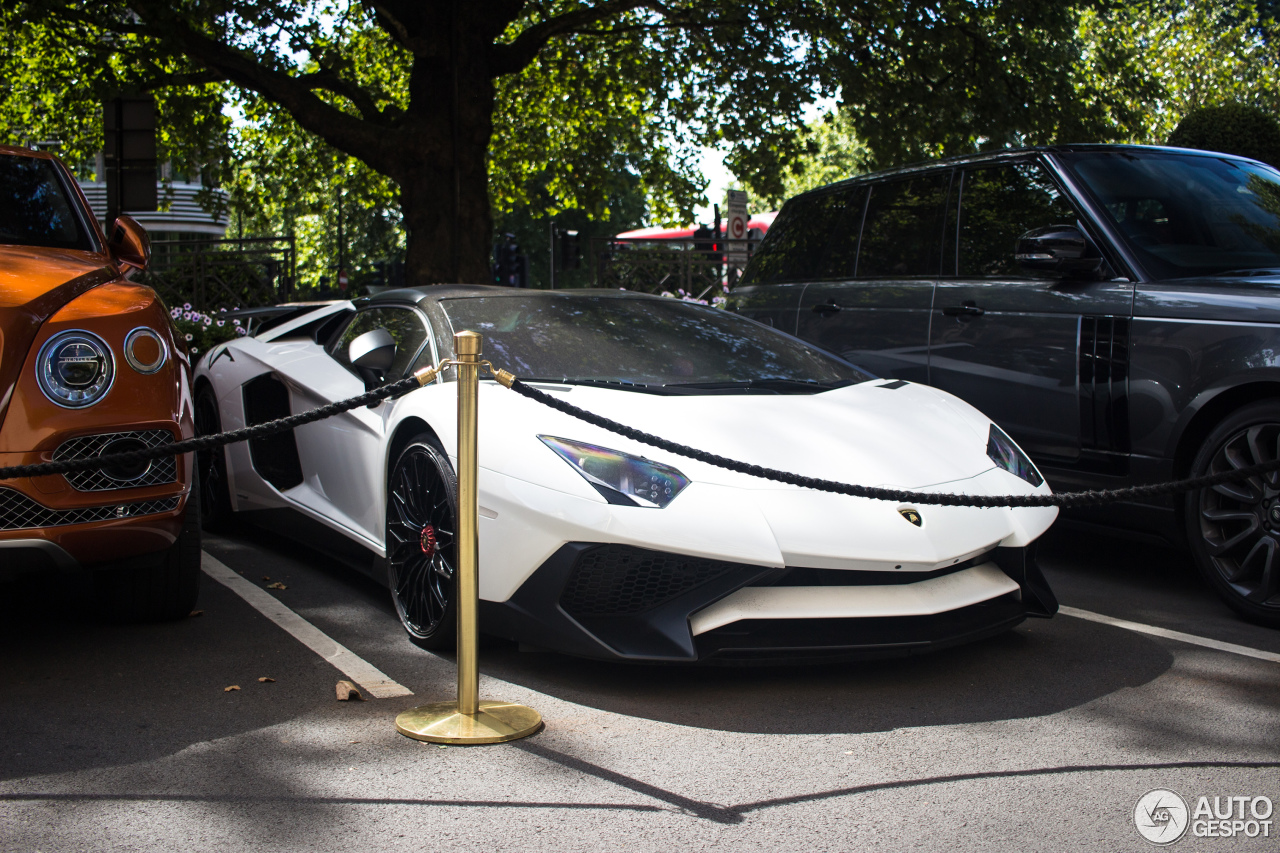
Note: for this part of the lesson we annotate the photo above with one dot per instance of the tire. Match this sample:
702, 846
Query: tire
422, 512
157, 590
216, 514
1234, 529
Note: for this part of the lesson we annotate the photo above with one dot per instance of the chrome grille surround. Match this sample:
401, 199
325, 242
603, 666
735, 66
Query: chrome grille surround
160, 472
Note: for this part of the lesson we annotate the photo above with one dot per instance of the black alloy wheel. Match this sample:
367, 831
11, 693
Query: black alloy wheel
422, 512
1234, 528
211, 465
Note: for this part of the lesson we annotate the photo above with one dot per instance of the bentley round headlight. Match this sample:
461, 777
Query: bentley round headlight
75, 369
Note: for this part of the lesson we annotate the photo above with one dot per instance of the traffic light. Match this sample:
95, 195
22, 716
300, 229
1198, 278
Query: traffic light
570, 250
510, 268
129, 149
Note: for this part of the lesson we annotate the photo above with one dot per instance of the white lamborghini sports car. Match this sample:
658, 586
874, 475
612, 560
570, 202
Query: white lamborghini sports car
600, 546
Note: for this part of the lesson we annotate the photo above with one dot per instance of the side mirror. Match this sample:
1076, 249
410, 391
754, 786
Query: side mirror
371, 354
129, 244
373, 350
1058, 249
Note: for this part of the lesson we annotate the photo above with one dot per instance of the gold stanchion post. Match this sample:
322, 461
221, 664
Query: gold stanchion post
469, 719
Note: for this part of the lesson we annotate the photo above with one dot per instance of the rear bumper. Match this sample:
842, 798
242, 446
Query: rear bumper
618, 602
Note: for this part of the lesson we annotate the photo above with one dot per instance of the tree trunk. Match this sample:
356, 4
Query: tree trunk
444, 174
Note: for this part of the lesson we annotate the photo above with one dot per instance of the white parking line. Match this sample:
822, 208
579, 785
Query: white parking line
1171, 635
370, 679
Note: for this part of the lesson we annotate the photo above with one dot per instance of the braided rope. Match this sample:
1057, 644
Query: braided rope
403, 386
208, 442
1064, 499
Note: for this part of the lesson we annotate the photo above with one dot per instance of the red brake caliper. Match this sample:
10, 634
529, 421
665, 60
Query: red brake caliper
428, 541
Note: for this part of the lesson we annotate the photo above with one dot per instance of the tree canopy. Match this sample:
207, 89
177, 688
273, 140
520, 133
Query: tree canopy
422, 119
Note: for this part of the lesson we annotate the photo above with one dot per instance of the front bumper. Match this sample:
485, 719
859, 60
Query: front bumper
620, 602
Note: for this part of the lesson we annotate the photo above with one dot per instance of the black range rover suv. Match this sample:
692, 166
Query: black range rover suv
1115, 308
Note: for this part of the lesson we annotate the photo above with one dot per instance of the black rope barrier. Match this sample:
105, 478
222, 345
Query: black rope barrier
209, 442
404, 386
1064, 499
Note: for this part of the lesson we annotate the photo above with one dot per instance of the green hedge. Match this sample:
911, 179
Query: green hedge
1232, 129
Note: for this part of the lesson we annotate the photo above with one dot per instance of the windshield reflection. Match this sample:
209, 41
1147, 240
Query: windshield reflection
607, 338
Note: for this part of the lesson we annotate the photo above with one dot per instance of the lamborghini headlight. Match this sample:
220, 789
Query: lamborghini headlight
620, 477
75, 369
1007, 455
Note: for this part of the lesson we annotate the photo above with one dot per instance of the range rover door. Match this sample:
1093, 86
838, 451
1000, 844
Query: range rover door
873, 306
1044, 357
793, 253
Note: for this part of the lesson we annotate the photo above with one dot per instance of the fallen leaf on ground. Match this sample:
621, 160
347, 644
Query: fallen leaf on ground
232, 687
264, 679
266, 577
346, 690
196, 613
276, 585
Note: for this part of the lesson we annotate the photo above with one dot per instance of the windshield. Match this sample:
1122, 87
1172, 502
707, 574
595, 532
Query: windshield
1186, 215
639, 341
34, 208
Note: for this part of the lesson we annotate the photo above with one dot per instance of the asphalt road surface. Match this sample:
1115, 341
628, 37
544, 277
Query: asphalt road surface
124, 738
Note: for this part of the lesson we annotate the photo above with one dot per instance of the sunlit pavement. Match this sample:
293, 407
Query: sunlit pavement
124, 737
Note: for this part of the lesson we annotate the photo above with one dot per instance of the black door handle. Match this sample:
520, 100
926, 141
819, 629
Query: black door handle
965, 309
828, 307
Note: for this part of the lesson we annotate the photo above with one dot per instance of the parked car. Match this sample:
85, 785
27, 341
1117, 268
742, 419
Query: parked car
1116, 309
89, 366
597, 545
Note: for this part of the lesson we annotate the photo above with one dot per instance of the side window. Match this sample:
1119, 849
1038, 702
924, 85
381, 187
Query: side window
902, 233
405, 325
794, 248
997, 206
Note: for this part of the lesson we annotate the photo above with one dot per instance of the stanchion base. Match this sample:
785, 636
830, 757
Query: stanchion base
496, 722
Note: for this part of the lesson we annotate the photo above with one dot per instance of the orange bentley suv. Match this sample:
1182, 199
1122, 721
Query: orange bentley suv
89, 366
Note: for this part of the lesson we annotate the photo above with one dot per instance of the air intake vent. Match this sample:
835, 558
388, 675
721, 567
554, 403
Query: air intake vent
156, 472
623, 579
19, 512
1104, 384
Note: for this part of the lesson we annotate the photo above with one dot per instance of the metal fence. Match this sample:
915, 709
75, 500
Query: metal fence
700, 269
214, 274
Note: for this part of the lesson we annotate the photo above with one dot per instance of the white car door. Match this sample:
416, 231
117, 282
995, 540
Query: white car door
343, 456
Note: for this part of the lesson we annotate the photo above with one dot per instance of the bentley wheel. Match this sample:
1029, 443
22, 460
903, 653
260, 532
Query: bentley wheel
215, 499
1234, 529
422, 508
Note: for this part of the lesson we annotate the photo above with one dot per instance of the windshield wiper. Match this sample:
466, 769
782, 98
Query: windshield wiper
619, 384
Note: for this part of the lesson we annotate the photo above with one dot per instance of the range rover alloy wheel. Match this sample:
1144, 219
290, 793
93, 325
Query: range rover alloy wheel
1234, 528
422, 511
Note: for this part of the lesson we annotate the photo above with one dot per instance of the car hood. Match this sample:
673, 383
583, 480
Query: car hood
34, 284
875, 433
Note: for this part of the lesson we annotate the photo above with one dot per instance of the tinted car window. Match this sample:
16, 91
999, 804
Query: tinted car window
1184, 214
903, 227
797, 242
997, 206
642, 341
404, 324
34, 208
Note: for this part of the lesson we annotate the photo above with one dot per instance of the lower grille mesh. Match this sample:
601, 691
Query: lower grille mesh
623, 579
162, 470
19, 512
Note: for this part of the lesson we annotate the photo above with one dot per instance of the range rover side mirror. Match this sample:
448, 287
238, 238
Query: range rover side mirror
371, 354
129, 244
1057, 249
